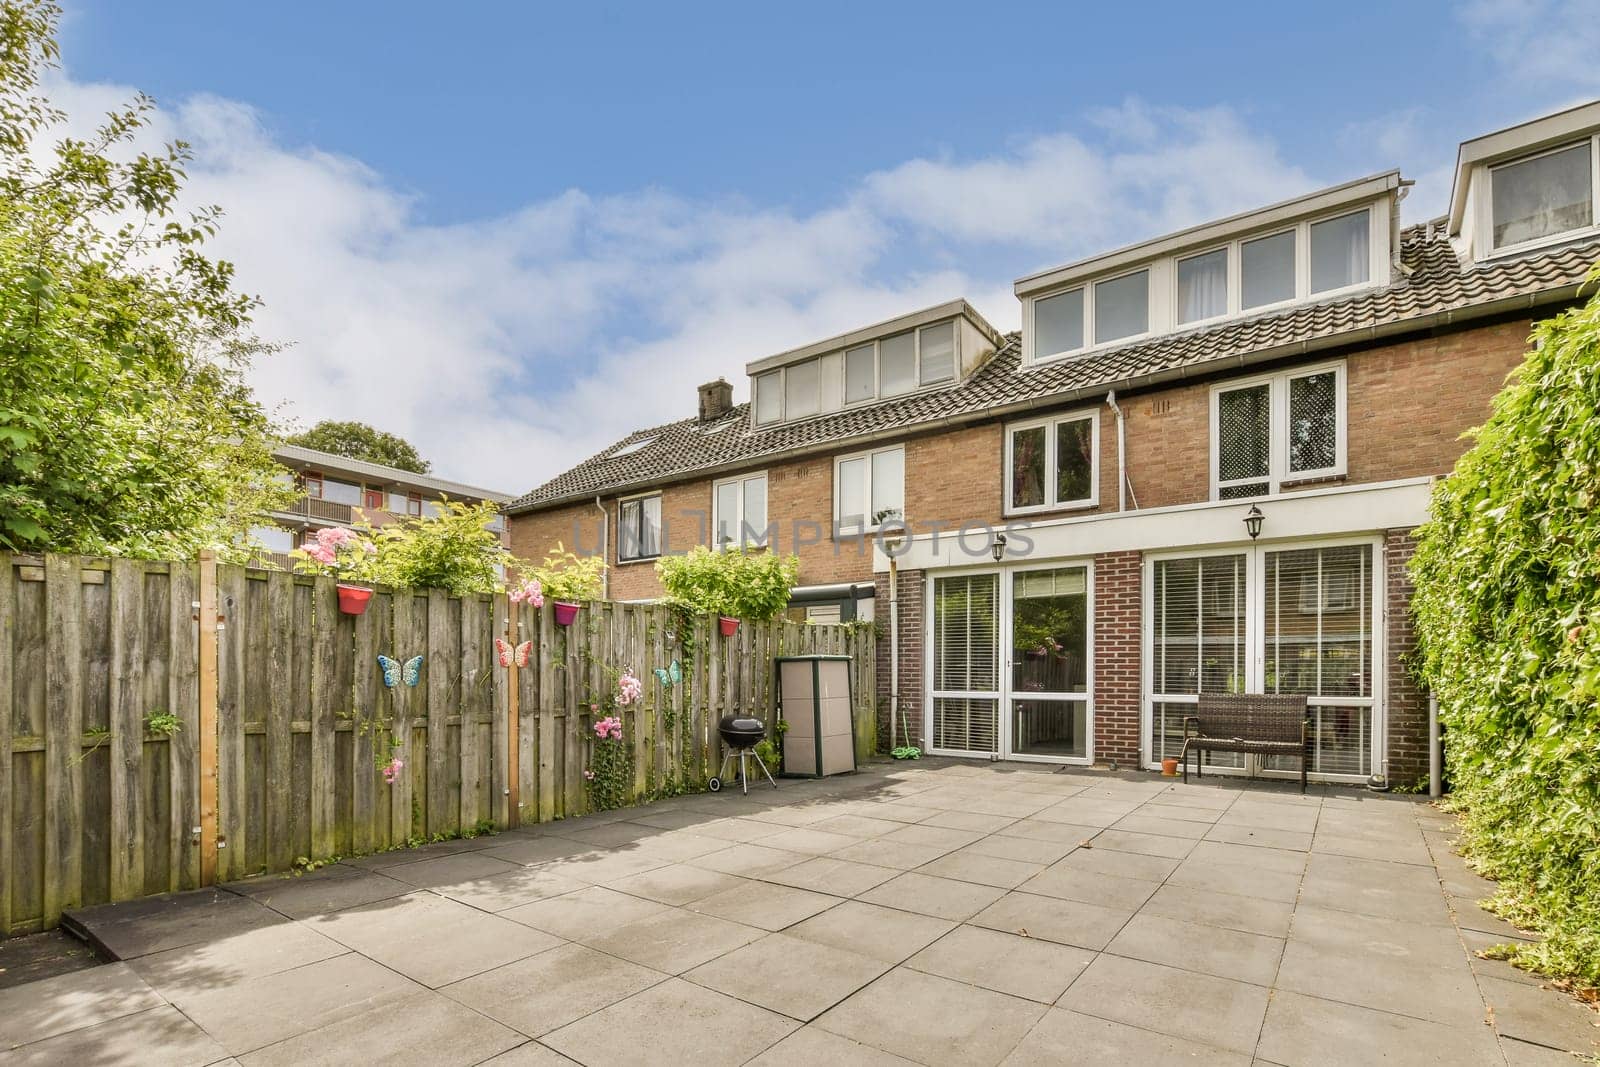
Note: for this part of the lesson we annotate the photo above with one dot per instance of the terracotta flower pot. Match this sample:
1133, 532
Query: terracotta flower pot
728, 626
353, 599
1169, 767
565, 613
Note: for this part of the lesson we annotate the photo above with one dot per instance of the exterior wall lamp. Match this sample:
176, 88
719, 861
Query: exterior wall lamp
1252, 522
998, 549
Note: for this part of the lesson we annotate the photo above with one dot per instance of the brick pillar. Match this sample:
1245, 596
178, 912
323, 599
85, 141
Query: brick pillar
1116, 613
1405, 701
911, 638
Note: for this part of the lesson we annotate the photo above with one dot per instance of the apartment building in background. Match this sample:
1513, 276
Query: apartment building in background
1198, 467
335, 490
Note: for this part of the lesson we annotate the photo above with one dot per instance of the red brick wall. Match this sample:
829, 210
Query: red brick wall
912, 633
1406, 701
1117, 592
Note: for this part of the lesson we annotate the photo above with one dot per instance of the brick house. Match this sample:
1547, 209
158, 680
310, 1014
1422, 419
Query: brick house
1068, 505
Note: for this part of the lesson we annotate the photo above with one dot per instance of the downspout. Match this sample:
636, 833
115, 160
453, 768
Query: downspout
894, 648
605, 551
1124, 486
1435, 750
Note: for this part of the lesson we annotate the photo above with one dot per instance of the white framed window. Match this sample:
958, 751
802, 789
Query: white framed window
1279, 428
1053, 463
936, 353
802, 389
869, 489
860, 374
1545, 197
768, 399
639, 528
739, 511
1314, 258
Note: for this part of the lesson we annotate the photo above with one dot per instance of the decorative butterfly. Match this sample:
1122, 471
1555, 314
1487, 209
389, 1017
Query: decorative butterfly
509, 653
394, 671
669, 675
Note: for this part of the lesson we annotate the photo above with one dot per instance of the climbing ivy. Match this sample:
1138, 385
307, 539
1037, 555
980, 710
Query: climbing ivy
1508, 592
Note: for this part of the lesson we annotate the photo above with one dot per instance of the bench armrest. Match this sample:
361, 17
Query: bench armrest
1188, 721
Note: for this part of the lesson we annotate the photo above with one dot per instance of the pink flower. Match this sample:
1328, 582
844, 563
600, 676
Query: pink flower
629, 688
319, 552
530, 593
588, 776
391, 770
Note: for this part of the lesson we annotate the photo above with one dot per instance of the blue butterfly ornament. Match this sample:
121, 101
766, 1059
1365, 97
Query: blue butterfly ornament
394, 671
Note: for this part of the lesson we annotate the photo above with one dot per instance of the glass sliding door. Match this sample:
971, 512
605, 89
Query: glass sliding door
965, 691
1198, 644
1289, 619
1317, 632
1049, 697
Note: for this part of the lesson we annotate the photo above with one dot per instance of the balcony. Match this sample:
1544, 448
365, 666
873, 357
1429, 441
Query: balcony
322, 510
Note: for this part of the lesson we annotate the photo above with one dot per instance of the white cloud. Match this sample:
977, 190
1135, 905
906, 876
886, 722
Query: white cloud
1547, 43
509, 348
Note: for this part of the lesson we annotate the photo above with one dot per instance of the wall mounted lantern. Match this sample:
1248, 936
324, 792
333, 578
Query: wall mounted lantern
1252, 522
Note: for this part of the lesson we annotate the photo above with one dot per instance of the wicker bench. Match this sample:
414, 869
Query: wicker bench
1262, 725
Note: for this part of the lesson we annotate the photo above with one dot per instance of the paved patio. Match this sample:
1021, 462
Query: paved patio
934, 912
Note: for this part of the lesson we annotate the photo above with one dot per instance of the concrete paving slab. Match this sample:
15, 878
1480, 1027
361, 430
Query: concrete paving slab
793, 976
1148, 824
1217, 1012
1120, 864
1066, 922
320, 892
883, 934
52, 1006
1144, 844
810, 1045
421, 1028
1266, 814
1260, 836
676, 885
749, 860
538, 849
246, 1015
896, 854
1068, 1037
670, 1024
586, 914
500, 892
154, 924
836, 877
943, 898
1302, 1030
1374, 887
982, 870
432, 940
1257, 858
1089, 887
678, 845
551, 989
254, 953
1238, 880
968, 820
1180, 812
933, 1020
1027, 967
1060, 833
449, 870
1022, 849
942, 837
675, 942
396, 856
860, 825
530, 1054
1252, 915
159, 1035
1542, 1016
1191, 946
765, 905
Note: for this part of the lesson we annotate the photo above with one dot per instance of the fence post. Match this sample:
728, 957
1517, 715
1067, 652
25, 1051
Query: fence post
208, 619
513, 768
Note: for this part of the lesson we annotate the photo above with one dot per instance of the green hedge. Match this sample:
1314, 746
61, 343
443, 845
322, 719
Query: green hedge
1508, 593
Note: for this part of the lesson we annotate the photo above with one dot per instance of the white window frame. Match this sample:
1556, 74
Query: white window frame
661, 531
1092, 299
739, 519
1163, 314
1050, 464
916, 365
868, 526
1278, 472
1233, 274
755, 388
1486, 202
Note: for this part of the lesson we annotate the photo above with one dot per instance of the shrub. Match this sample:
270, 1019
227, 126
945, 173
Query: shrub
1507, 593
565, 575
741, 583
454, 551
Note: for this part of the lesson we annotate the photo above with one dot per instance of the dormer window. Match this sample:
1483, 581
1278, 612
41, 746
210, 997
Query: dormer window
1324, 244
1543, 196
924, 350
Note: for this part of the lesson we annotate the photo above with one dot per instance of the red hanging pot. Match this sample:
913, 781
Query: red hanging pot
353, 599
565, 613
728, 626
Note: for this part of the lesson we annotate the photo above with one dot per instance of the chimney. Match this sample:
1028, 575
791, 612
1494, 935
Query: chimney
716, 400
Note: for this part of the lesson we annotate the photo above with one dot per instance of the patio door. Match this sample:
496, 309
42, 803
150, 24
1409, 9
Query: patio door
1032, 703
1269, 619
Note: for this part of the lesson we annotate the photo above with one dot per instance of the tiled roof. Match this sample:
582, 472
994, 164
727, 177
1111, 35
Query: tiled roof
1437, 286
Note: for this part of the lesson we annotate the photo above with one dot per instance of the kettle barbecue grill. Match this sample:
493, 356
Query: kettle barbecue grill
741, 734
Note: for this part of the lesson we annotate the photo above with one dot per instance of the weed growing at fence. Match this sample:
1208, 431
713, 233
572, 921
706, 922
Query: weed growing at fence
1506, 605
162, 723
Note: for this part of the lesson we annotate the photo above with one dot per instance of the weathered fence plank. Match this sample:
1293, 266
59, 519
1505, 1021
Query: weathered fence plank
8, 709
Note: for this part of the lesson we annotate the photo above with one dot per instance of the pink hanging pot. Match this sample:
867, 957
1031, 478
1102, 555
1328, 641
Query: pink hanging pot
353, 599
565, 612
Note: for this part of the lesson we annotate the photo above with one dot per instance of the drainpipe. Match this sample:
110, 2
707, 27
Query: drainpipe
1435, 750
605, 551
894, 647
1124, 486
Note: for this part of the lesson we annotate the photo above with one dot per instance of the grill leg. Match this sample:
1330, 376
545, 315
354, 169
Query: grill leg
763, 765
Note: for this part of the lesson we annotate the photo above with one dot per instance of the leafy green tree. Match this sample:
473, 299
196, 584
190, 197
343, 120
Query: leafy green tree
454, 551
741, 583
126, 426
1508, 612
357, 440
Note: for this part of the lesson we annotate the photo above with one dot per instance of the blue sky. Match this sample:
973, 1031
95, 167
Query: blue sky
514, 232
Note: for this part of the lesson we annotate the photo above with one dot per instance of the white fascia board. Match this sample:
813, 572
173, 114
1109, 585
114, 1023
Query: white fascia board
1270, 217
1528, 136
1313, 513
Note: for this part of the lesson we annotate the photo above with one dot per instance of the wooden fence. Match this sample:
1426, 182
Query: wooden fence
140, 755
